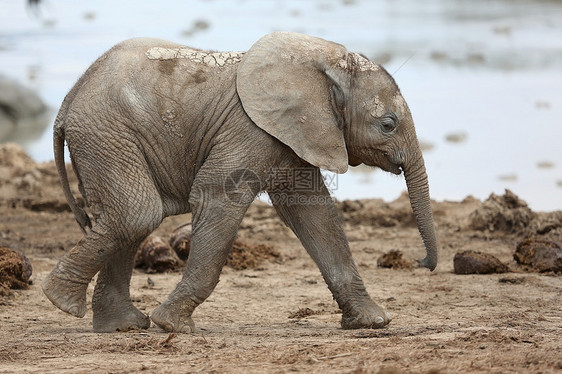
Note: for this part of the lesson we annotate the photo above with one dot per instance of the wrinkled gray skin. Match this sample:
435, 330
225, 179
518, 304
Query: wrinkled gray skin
155, 129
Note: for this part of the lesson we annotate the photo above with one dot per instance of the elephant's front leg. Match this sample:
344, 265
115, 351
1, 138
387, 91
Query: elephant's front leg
313, 217
215, 222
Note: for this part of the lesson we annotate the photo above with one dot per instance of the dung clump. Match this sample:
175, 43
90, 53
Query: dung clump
15, 271
540, 255
156, 256
474, 262
506, 213
242, 256
548, 225
394, 260
181, 241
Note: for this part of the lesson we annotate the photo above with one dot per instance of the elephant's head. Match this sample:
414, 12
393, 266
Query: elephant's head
335, 108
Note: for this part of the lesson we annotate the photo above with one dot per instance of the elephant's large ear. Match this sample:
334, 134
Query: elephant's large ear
285, 82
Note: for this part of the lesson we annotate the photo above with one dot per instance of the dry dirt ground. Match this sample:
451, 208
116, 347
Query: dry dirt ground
279, 316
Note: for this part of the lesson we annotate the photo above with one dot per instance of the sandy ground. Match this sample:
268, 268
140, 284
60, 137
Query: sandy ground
279, 316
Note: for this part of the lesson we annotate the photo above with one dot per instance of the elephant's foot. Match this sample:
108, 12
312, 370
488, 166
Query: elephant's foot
173, 317
365, 317
113, 309
130, 318
67, 295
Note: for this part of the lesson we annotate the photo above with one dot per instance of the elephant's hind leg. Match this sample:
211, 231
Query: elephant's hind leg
111, 303
111, 249
66, 285
124, 216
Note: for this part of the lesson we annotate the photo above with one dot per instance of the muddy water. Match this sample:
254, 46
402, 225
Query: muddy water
482, 79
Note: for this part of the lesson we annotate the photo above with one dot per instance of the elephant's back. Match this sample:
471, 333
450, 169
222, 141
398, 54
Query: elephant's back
129, 57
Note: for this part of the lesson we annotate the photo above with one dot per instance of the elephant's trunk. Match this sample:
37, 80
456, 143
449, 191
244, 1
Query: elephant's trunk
418, 189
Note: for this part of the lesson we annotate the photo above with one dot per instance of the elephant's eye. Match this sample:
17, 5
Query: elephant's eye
388, 122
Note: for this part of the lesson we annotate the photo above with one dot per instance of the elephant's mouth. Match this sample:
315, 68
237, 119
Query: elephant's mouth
378, 159
385, 163
393, 168
387, 166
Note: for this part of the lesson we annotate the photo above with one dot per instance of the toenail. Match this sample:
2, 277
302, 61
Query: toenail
379, 320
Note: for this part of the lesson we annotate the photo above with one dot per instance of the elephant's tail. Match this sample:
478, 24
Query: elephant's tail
58, 145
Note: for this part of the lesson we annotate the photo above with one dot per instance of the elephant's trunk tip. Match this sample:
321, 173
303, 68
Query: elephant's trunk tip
428, 262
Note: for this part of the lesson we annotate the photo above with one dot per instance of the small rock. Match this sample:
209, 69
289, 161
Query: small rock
545, 165
393, 259
459, 137
89, 16
474, 262
511, 280
22, 112
542, 104
150, 282
439, 55
508, 177
201, 25
156, 256
540, 255
181, 241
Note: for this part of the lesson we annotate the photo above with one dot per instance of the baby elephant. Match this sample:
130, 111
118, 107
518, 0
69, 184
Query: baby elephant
156, 129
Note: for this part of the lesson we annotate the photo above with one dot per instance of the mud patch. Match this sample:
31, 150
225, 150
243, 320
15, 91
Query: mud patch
394, 260
474, 262
249, 256
303, 313
539, 255
15, 271
139, 345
